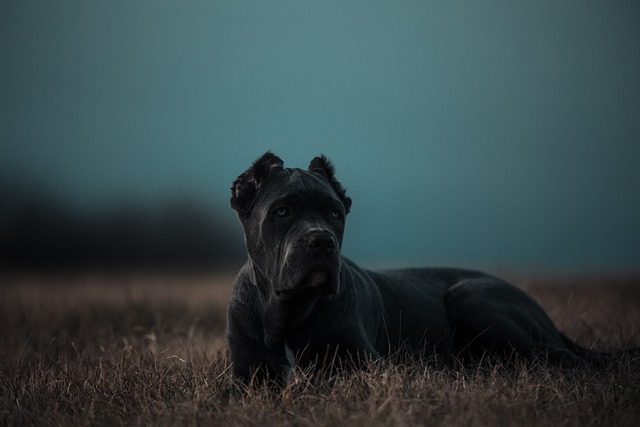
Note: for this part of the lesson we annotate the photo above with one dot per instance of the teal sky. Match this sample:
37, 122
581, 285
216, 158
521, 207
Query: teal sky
498, 134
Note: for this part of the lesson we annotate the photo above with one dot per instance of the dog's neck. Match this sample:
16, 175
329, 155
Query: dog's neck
260, 281
281, 313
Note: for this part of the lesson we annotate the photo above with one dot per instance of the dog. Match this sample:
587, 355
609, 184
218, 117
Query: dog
298, 300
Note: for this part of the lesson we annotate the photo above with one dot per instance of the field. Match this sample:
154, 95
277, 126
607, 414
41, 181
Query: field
150, 350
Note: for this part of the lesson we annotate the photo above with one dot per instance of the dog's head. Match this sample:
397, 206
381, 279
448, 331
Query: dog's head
293, 223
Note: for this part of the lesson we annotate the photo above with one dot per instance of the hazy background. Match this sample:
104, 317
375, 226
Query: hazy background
493, 134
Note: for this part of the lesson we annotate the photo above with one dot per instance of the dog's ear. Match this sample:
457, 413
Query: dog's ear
245, 187
323, 166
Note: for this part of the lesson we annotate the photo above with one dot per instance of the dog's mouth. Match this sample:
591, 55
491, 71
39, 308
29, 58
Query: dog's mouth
315, 279
318, 281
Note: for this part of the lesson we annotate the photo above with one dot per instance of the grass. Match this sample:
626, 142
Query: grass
150, 350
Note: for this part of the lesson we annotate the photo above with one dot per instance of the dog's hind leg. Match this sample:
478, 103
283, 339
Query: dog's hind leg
490, 314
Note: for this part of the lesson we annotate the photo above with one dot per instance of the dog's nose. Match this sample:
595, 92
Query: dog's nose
321, 242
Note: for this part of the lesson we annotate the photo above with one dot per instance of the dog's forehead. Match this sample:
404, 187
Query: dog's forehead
298, 181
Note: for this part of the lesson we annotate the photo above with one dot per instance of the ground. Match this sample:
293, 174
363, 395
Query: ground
149, 349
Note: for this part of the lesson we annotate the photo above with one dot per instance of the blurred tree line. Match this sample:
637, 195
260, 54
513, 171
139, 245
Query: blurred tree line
38, 233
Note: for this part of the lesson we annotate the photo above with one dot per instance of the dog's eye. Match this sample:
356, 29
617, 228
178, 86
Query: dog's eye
281, 212
336, 215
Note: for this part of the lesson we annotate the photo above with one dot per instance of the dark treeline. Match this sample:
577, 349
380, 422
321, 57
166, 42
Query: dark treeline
38, 234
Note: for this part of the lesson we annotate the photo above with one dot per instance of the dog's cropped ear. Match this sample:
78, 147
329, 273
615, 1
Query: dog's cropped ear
245, 187
323, 166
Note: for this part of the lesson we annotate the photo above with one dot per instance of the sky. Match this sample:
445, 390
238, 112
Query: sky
501, 134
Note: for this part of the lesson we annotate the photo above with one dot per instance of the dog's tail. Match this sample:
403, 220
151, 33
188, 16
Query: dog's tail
598, 358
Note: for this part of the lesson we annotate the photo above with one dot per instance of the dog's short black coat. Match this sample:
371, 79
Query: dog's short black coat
297, 298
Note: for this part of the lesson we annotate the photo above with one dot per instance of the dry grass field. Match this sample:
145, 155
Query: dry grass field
150, 350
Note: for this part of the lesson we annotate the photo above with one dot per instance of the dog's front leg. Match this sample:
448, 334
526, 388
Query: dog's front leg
256, 345
274, 320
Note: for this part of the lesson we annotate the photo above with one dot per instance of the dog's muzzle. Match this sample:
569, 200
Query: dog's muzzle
321, 243
315, 266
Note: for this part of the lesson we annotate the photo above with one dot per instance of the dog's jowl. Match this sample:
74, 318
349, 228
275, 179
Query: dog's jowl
298, 300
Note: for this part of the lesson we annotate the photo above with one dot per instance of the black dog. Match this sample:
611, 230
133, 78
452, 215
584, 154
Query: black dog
297, 296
